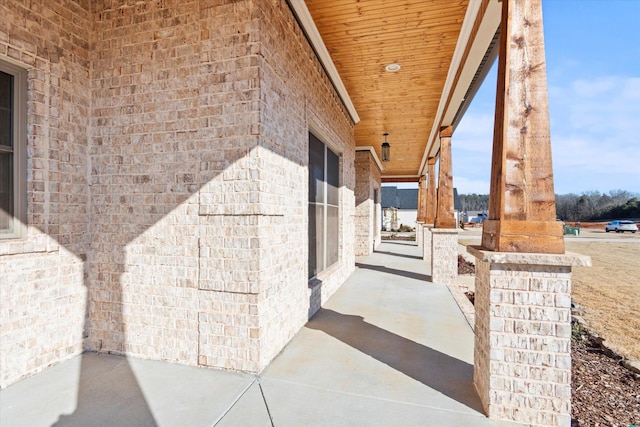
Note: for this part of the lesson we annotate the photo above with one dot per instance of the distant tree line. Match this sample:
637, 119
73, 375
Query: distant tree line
474, 202
591, 205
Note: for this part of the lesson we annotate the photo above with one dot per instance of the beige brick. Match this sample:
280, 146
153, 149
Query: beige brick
522, 336
167, 183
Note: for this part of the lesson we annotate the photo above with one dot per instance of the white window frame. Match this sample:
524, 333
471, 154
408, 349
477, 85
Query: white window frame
17, 226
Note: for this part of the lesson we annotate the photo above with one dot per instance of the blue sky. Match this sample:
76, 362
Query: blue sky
593, 74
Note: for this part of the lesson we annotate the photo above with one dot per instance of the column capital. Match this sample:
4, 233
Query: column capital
446, 131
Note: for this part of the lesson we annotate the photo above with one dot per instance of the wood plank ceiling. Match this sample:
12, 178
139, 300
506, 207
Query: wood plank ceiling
363, 37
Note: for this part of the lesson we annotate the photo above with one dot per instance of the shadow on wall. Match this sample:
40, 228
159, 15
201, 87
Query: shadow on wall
439, 371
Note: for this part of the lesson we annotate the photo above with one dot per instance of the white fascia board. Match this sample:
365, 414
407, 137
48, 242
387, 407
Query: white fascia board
304, 17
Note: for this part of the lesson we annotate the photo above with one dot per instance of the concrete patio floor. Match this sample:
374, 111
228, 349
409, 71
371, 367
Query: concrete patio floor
390, 348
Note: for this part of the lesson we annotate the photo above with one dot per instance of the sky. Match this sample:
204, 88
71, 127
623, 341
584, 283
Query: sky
593, 76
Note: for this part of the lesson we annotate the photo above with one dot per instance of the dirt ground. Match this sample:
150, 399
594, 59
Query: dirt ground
609, 291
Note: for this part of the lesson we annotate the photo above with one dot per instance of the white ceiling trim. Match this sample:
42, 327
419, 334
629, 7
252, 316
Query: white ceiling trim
465, 34
304, 17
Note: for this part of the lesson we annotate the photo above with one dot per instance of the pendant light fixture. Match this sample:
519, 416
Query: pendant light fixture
386, 149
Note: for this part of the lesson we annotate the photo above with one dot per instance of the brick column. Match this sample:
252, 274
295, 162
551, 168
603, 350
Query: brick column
444, 261
419, 240
367, 186
427, 242
522, 353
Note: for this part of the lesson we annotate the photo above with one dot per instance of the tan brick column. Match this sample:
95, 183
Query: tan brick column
367, 223
522, 360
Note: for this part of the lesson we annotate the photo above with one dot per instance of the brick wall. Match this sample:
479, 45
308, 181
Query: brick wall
167, 182
42, 292
199, 179
295, 95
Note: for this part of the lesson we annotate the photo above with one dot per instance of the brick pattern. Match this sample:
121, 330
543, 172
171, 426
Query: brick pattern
420, 235
200, 131
367, 211
295, 95
427, 243
444, 255
168, 150
522, 342
155, 138
42, 292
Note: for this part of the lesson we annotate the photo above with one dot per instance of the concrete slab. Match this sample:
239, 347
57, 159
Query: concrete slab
249, 410
296, 405
389, 348
107, 390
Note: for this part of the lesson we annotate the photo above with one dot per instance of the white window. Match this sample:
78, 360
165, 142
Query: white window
13, 111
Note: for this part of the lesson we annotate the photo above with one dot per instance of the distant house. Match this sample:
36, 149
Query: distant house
403, 199
406, 201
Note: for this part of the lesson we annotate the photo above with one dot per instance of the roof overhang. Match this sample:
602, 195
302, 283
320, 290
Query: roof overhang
444, 47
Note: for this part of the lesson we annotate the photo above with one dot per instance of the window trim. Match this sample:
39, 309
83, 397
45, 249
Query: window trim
17, 229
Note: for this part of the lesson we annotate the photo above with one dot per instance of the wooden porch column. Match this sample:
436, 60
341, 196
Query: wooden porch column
421, 211
522, 357
445, 217
432, 200
422, 199
522, 210
431, 204
444, 236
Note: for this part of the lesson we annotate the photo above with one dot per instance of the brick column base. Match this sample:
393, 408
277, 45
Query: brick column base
426, 242
522, 357
419, 227
444, 255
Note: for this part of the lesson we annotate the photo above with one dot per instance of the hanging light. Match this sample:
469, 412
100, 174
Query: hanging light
386, 149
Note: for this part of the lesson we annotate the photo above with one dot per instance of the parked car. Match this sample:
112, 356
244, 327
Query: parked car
621, 226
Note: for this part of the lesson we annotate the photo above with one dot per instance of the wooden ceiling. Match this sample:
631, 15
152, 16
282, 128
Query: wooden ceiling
362, 37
